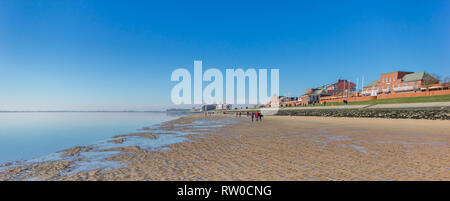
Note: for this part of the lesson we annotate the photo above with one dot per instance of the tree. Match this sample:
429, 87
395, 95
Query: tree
446, 79
437, 76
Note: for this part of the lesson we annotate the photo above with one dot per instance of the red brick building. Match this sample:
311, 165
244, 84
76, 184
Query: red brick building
399, 82
341, 87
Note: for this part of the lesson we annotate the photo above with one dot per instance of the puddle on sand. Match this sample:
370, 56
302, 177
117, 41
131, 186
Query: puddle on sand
205, 123
81, 162
92, 160
408, 143
359, 148
337, 138
325, 139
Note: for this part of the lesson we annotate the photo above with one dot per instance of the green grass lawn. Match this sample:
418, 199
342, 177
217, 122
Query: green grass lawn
420, 99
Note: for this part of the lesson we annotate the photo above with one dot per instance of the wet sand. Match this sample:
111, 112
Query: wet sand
279, 148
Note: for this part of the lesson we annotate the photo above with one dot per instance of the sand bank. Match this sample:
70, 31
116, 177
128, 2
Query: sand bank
223, 147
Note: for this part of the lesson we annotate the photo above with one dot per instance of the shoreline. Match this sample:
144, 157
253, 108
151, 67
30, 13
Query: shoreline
432, 111
224, 147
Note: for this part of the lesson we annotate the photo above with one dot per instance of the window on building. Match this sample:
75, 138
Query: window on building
394, 79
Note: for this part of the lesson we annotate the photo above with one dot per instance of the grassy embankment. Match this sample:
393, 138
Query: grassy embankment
420, 99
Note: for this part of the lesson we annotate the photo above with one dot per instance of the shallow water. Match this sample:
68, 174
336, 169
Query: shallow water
26, 135
96, 155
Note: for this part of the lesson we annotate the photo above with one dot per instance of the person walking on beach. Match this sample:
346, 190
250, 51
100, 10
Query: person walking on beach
253, 115
260, 117
257, 116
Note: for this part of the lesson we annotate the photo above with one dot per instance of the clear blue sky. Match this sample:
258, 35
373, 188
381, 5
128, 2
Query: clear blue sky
113, 55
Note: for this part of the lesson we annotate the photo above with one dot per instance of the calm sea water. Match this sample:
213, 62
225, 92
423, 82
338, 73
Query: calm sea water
25, 135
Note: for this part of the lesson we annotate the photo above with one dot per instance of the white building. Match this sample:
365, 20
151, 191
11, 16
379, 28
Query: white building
275, 101
223, 107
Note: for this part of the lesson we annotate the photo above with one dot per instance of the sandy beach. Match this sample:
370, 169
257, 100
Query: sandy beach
224, 147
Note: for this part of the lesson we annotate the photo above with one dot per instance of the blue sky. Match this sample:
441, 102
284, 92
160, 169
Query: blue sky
115, 55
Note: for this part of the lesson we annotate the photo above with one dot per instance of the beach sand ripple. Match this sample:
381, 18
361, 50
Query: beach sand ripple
223, 147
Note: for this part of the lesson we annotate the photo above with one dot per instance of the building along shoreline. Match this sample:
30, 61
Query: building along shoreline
430, 110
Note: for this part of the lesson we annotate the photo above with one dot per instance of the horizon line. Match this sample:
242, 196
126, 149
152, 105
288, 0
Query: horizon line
82, 110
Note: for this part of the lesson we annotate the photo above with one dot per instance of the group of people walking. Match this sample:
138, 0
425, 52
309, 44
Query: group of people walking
254, 115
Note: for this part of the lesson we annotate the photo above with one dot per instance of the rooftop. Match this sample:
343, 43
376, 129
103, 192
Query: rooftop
372, 84
415, 76
318, 91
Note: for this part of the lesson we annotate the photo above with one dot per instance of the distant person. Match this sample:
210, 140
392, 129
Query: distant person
239, 114
257, 116
253, 115
260, 117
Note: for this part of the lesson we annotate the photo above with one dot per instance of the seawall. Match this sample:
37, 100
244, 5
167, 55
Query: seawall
432, 113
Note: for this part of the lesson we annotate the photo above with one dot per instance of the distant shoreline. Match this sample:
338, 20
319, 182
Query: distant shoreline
81, 111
